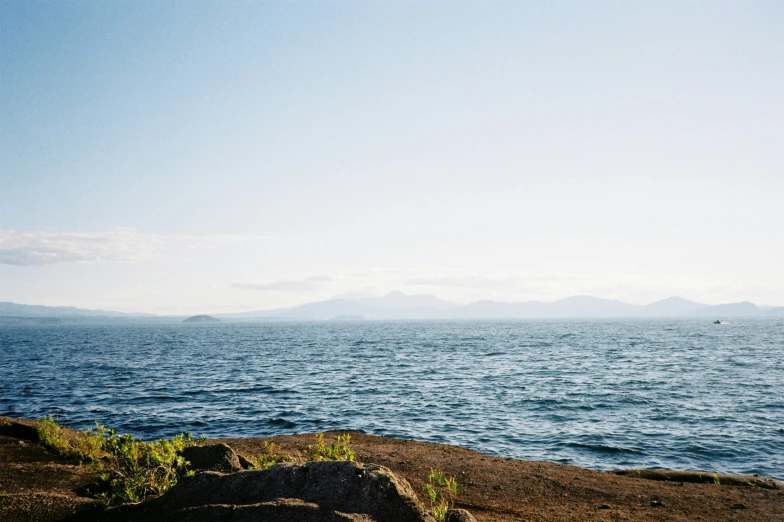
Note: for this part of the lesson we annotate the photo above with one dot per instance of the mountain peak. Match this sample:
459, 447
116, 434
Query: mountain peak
397, 300
674, 305
394, 293
673, 299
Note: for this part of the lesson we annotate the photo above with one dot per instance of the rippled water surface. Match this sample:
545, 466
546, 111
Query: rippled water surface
600, 394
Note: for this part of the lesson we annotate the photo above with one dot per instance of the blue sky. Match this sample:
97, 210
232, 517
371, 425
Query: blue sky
192, 156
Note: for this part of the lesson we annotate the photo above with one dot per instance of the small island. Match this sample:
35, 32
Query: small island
201, 319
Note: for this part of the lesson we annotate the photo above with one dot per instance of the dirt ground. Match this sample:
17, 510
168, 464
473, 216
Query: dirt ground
36, 485
497, 489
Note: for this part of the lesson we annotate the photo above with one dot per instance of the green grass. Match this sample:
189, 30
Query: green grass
83, 447
138, 469
338, 450
441, 491
268, 457
131, 469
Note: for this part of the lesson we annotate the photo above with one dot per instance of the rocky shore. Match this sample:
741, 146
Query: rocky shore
384, 483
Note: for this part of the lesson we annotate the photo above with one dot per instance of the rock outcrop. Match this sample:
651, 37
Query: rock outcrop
281, 510
314, 491
703, 477
459, 515
216, 457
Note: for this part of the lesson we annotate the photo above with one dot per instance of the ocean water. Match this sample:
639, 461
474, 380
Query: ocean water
604, 394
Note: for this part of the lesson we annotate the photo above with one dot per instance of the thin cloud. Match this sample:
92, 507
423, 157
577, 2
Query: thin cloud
459, 281
286, 285
117, 245
480, 281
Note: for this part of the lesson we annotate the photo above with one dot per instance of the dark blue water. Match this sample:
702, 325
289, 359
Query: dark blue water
601, 394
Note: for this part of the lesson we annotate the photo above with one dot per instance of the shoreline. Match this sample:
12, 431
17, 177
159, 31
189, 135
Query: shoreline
493, 488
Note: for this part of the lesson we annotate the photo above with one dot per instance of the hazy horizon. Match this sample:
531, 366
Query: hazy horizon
428, 303
171, 158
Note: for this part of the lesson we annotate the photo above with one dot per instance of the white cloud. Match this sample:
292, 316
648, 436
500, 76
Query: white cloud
117, 245
305, 284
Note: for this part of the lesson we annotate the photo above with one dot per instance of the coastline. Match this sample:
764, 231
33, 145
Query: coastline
36, 484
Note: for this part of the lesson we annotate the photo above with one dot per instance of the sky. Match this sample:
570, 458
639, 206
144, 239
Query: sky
192, 157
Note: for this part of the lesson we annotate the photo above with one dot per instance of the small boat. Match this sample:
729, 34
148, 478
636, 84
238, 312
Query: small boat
716, 322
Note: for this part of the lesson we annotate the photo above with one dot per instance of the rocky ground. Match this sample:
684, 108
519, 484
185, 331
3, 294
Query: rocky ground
36, 485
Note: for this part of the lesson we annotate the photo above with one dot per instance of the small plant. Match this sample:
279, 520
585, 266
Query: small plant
84, 447
338, 450
268, 457
637, 470
716, 475
441, 491
141, 469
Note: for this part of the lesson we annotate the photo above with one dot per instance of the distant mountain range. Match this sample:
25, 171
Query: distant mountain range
20, 310
397, 305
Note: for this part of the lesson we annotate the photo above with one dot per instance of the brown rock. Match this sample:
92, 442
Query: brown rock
459, 515
217, 457
703, 477
18, 428
281, 510
245, 463
334, 487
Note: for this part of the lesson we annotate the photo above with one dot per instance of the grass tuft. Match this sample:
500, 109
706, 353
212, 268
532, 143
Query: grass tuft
268, 457
338, 450
441, 491
716, 475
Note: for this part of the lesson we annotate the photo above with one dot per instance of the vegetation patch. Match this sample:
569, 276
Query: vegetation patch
268, 457
131, 469
139, 469
441, 491
338, 450
83, 447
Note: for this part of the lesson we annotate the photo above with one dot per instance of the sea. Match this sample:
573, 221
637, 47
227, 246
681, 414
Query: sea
602, 394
